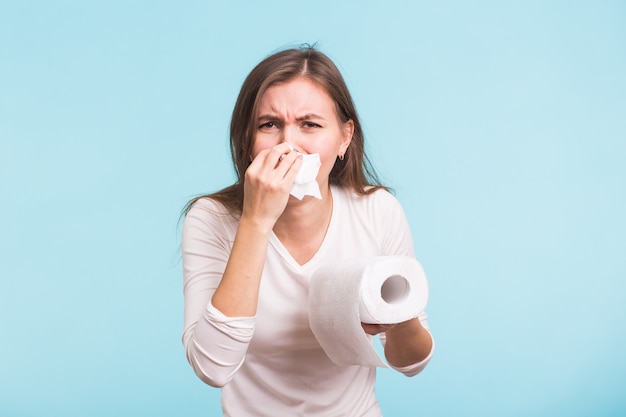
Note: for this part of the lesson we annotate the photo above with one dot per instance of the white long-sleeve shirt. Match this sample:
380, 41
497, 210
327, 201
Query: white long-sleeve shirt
271, 364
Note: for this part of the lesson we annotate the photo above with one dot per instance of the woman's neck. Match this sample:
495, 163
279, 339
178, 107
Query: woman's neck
302, 226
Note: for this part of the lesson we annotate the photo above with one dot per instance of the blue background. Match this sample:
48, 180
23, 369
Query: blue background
501, 126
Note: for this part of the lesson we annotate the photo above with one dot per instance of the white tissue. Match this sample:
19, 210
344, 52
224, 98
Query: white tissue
380, 290
305, 183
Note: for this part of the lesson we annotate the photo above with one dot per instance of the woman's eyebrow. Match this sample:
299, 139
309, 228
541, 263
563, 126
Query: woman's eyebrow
274, 116
309, 116
268, 116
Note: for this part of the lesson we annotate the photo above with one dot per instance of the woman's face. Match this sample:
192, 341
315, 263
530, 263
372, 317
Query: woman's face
303, 114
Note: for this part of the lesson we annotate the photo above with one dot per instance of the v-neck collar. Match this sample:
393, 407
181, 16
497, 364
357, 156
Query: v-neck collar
286, 255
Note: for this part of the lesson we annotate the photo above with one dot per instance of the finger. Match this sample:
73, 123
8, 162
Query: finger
279, 164
259, 158
286, 162
265, 157
371, 329
280, 152
292, 167
281, 148
291, 149
374, 329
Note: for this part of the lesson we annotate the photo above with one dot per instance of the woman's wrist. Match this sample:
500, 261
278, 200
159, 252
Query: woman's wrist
256, 224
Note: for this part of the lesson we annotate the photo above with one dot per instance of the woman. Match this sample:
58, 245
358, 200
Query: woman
250, 249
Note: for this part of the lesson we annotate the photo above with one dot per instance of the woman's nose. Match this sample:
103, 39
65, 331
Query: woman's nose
290, 136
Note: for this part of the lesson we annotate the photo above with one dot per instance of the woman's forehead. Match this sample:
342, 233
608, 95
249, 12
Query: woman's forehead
296, 98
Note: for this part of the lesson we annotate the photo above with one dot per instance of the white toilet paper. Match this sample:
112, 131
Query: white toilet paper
305, 182
382, 290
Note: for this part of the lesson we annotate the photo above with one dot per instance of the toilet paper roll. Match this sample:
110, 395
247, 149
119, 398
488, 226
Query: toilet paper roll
380, 290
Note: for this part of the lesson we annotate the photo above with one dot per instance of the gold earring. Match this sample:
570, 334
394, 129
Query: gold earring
341, 157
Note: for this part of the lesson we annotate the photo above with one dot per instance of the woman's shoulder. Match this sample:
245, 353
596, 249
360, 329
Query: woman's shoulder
378, 204
208, 209
374, 196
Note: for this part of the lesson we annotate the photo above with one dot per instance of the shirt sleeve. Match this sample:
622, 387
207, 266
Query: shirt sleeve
215, 345
393, 226
397, 240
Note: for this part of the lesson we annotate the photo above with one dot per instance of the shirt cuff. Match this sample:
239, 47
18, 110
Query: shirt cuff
240, 328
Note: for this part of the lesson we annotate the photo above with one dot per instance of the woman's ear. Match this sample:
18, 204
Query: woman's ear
347, 132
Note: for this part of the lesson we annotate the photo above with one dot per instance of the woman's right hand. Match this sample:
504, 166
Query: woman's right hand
268, 182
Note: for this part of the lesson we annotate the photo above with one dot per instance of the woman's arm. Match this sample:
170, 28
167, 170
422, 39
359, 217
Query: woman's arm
408, 345
221, 284
268, 182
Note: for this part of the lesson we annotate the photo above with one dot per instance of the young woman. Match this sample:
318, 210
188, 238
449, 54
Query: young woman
250, 249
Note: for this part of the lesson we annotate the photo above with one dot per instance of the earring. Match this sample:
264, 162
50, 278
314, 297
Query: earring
341, 157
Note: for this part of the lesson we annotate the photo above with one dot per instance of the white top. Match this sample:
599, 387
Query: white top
271, 364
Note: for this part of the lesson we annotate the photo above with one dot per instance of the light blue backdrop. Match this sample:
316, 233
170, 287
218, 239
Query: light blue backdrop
501, 126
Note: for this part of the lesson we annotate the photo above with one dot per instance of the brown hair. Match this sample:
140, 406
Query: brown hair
354, 171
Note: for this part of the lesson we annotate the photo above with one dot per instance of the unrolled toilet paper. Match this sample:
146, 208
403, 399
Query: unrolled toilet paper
380, 290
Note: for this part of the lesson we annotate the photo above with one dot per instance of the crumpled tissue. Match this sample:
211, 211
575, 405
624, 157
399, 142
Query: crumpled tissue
305, 182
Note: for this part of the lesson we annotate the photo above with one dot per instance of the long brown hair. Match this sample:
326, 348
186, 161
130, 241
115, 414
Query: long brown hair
354, 171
